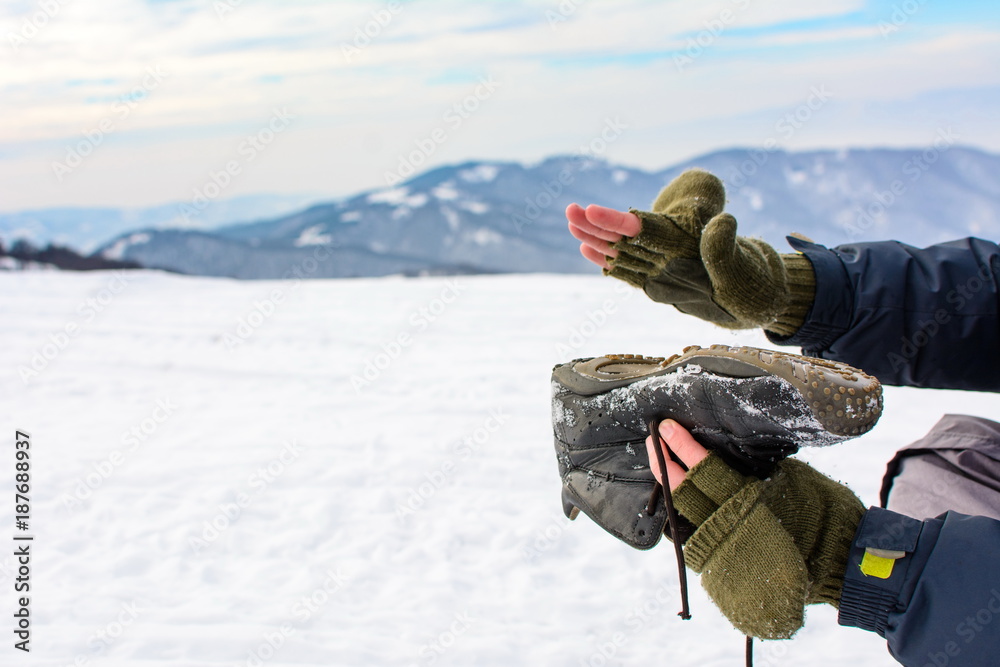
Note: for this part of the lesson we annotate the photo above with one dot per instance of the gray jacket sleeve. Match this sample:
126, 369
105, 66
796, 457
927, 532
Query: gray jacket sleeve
919, 317
940, 604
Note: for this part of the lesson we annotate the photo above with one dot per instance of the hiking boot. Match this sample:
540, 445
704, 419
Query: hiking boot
752, 407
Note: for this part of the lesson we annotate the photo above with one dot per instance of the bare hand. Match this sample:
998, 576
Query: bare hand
598, 227
676, 438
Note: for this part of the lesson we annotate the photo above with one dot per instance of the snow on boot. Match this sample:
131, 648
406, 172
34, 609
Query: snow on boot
752, 407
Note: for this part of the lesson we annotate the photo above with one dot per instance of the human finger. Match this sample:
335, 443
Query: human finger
598, 244
599, 232
682, 443
594, 256
575, 213
675, 473
612, 220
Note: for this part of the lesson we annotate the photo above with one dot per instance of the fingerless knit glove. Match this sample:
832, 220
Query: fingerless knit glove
766, 548
688, 255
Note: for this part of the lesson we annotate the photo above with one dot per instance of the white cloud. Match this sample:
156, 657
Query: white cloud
559, 84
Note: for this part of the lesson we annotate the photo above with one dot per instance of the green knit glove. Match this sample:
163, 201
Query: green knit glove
766, 548
688, 255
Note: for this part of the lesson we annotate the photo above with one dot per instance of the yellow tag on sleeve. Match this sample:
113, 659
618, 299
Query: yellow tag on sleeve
876, 566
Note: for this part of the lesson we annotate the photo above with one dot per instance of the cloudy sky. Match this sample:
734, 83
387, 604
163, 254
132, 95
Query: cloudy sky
141, 102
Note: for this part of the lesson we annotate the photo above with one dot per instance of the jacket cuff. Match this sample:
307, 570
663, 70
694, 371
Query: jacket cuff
801, 284
832, 308
873, 583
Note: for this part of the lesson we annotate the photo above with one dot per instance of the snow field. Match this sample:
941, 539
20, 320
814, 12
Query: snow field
203, 497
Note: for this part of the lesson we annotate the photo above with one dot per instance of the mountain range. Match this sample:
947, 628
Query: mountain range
86, 228
500, 217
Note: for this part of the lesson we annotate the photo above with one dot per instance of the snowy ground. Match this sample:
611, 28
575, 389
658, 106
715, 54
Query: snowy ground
202, 501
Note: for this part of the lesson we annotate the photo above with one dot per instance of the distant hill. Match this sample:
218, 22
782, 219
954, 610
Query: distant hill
22, 255
488, 217
84, 229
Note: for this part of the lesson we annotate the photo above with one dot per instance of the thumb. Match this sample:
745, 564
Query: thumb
718, 245
747, 275
694, 197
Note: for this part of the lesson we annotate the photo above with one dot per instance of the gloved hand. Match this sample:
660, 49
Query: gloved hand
687, 254
764, 548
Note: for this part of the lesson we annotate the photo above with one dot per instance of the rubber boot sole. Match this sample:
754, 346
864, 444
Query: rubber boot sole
753, 407
844, 399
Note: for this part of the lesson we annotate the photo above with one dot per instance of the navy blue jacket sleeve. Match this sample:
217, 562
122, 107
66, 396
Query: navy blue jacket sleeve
941, 603
909, 316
